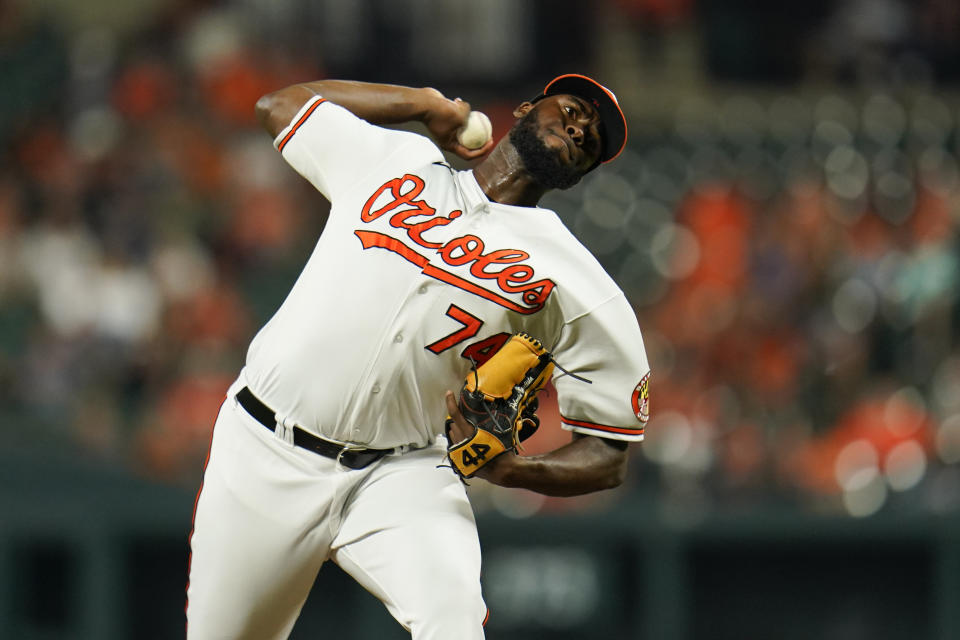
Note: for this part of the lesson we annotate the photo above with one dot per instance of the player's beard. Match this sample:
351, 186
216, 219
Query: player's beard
538, 159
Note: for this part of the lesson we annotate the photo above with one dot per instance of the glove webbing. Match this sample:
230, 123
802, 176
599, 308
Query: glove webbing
493, 435
534, 373
519, 391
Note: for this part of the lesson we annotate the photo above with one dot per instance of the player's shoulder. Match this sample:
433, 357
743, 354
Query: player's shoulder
569, 248
588, 288
319, 117
582, 282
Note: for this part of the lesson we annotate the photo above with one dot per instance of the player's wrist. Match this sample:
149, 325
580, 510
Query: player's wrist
502, 470
442, 116
429, 102
429, 107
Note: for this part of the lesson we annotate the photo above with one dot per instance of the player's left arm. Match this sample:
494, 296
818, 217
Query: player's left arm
605, 346
586, 464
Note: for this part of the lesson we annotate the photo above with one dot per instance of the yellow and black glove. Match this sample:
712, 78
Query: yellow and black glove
499, 399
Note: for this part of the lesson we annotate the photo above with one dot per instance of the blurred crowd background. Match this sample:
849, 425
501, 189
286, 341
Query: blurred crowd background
784, 221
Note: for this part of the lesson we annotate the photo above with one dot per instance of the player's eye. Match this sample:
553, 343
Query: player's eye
570, 111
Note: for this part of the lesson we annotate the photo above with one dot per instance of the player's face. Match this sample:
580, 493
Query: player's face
558, 139
571, 126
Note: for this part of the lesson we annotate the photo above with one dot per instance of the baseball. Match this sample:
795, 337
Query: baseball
476, 132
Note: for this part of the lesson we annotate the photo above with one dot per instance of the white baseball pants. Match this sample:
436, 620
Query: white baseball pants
269, 514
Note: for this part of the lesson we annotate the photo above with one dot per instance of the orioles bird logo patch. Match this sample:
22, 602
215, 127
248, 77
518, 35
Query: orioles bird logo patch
641, 399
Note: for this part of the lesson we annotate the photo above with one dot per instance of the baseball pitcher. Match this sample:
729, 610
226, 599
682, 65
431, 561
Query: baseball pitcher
407, 357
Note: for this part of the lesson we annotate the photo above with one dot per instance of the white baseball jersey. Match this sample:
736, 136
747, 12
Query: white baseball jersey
415, 272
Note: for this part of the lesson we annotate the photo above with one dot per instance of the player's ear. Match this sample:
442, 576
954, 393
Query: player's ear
522, 110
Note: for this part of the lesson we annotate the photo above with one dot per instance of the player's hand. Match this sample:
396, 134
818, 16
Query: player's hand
462, 430
444, 118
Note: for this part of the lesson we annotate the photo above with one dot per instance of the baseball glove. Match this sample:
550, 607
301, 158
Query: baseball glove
499, 400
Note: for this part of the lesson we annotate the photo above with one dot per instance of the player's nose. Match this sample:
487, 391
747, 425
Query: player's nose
575, 132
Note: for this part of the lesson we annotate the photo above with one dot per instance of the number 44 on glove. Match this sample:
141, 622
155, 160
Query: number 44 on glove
499, 399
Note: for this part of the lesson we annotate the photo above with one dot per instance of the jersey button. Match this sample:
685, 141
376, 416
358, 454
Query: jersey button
422, 289
398, 338
376, 388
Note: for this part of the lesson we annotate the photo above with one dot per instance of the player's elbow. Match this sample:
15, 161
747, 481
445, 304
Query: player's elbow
615, 459
275, 110
609, 475
616, 473
265, 109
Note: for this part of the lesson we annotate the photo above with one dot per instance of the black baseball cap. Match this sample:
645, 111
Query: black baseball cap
613, 129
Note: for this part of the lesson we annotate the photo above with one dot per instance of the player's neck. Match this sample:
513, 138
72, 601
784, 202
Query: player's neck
504, 179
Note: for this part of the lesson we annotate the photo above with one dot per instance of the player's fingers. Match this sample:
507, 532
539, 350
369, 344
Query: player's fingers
459, 112
472, 154
452, 407
461, 428
463, 105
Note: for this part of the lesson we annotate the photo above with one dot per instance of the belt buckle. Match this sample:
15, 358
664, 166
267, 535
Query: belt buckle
346, 449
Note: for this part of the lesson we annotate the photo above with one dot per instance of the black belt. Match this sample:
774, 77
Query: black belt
348, 456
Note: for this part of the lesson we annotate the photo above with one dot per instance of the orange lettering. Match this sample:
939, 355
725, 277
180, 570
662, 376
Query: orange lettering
538, 292
398, 198
399, 220
463, 250
470, 247
415, 231
500, 256
513, 275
